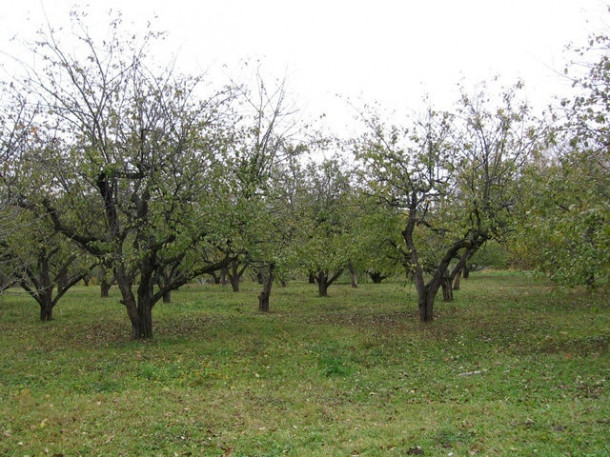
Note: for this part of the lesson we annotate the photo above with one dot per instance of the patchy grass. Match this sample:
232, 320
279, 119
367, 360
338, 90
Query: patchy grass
510, 367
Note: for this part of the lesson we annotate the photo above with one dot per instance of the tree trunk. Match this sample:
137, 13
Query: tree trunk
322, 281
142, 327
223, 276
236, 272
215, 277
352, 275
105, 288
46, 311
167, 297
466, 272
62, 279
263, 297
105, 282
376, 277
234, 280
456, 282
447, 289
323, 288
425, 303
138, 310
311, 279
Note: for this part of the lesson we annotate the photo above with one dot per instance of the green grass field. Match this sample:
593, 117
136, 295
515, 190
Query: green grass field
511, 367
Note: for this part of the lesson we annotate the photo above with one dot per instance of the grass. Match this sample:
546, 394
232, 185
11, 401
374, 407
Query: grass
510, 367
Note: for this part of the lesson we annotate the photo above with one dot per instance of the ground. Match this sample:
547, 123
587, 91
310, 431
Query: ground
513, 366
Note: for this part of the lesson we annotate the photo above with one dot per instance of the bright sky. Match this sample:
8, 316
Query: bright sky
391, 51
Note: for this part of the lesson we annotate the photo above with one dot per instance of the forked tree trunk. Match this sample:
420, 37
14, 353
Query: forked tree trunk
235, 273
324, 282
376, 277
267, 277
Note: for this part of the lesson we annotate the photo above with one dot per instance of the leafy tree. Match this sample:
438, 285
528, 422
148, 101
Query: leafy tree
325, 243
376, 232
125, 161
566, 206
262, 140
48, 264
9, 264
450, 176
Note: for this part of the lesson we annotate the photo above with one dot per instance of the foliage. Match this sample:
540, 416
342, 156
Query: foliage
376, 233
122, 157
325, 239
450, 175
44, 263
264, 142
566, 204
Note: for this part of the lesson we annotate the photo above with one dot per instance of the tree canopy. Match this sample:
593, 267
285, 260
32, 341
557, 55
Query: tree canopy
112, 161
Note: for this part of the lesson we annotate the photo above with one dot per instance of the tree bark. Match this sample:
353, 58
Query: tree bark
466, 272
215, 277
235, 272
352, 275
143, 327
234, 280
105, 282
223, 276
46, 312
456, 282
447, 288
324, 282
376, 277
425, 303
263, 297
105, 288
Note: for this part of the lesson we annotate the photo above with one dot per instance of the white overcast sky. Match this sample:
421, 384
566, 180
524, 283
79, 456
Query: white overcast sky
391, 51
